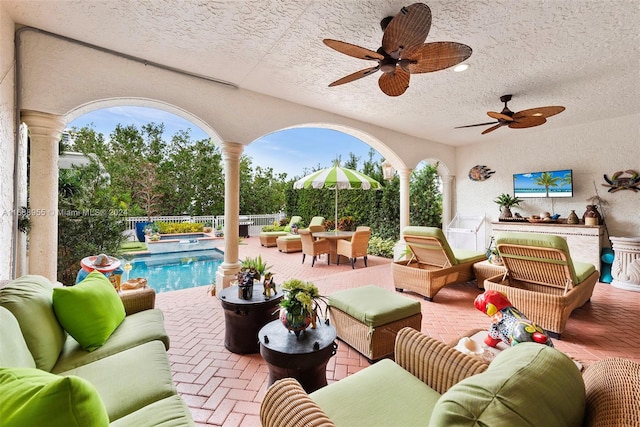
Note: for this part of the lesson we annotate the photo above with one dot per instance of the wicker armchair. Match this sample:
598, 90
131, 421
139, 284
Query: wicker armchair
542, 280
355, 248
433, 264
313, 247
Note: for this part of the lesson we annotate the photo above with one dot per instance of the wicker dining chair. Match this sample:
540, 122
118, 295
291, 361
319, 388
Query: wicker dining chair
542, 280
313, 247
355, 248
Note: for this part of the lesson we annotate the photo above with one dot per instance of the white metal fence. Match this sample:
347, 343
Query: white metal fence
257, 221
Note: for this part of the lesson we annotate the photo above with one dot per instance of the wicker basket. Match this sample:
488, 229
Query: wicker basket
373, 343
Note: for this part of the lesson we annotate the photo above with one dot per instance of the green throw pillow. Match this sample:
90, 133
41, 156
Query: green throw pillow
526, 385
89, 311
32, 397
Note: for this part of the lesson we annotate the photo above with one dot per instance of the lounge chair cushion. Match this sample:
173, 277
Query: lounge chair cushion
583, 270
28, 298
406, 400
465, 255
33, 397
435, 233
373, 305
89, 311
316, 220
528, 384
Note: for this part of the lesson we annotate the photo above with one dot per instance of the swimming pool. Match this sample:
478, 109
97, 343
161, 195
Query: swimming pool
175, 271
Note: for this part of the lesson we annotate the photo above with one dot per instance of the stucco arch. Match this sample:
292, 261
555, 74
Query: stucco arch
144, 102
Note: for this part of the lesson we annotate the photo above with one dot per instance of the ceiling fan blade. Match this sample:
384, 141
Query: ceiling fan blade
492, 128
499, 116
479, 124
436, 56
527, 122
396, 83
352, 50
409, 28
355, 76
539, 112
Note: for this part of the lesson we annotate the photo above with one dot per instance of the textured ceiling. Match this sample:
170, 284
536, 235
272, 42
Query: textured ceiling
582, 54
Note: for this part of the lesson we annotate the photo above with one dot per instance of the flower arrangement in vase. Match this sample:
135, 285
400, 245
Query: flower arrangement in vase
299, 307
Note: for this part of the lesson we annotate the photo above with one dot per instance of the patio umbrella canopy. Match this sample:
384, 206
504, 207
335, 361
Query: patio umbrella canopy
337, 178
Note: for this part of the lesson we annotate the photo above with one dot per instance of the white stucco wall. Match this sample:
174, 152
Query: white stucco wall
7, 137
591, 150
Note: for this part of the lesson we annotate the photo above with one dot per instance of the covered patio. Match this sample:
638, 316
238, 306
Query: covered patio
223, 388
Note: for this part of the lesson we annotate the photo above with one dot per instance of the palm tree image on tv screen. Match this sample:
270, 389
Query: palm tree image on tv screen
543, 184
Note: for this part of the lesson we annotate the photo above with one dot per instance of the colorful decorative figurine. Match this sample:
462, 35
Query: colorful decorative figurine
508, 324
269, 285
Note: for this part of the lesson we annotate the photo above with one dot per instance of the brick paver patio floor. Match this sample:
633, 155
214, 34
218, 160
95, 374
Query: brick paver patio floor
223, 388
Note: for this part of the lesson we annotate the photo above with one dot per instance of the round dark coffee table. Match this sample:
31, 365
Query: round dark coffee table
244, 318
304, 358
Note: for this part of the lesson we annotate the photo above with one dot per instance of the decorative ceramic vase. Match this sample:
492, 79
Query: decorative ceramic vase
505, 212
245, 291
592, 212
573, 218
295, 322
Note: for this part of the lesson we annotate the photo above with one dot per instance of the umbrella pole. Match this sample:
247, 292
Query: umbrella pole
336, 223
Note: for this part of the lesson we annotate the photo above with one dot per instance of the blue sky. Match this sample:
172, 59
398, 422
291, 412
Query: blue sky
289, 151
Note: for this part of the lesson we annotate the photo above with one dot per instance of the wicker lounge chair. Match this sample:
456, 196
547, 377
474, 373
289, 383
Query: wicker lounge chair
356, 247
268, 238
542, 280
433, 264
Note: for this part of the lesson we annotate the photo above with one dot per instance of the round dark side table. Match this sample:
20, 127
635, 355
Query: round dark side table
304, 358
244, 318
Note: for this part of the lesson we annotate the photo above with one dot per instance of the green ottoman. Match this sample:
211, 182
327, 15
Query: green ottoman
290, 243
368, 318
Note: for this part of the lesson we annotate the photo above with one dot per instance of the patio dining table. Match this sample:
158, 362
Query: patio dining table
333, 237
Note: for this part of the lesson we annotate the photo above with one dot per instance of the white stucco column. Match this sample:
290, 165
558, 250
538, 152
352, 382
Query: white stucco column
447, 199
231, 152
405, 179
44, 130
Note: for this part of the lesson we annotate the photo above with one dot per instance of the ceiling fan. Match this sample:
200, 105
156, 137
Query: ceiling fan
403, 51
521, 119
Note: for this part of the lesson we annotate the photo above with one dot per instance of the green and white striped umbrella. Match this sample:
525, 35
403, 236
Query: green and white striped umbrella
337, 178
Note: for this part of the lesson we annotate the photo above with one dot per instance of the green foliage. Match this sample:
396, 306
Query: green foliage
300, 297
179, 227
381, 247
346, 223
90, 220
425, 196
507, 201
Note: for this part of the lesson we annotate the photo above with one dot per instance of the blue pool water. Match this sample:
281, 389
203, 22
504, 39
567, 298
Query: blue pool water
177, 270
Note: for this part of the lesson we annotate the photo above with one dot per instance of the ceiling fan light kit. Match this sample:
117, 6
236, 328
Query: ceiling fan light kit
403, 51
520, 120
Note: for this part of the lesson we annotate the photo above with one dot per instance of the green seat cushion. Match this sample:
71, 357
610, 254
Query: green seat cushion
526, 385
131, 379
32, 397
383, 394
167, 412
274, 233
14, 352
465, 255
316, 220
28, 298
139, 328
89, 311
373, 305
583, 270
290, 237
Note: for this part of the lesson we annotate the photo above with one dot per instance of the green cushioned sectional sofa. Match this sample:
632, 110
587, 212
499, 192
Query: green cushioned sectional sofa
117, 377
433, 384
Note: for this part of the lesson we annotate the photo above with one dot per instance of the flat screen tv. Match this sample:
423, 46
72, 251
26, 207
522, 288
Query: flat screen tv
543, 184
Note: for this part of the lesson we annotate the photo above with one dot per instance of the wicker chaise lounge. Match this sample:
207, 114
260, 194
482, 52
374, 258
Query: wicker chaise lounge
268, 238
433, 264
542, 280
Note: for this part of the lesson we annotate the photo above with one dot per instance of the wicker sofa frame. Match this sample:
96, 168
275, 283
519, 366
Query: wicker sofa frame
541, 282
612, 385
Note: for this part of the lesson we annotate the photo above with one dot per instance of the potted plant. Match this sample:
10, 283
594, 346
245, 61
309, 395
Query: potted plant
299, 307
207, 227
506, 202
